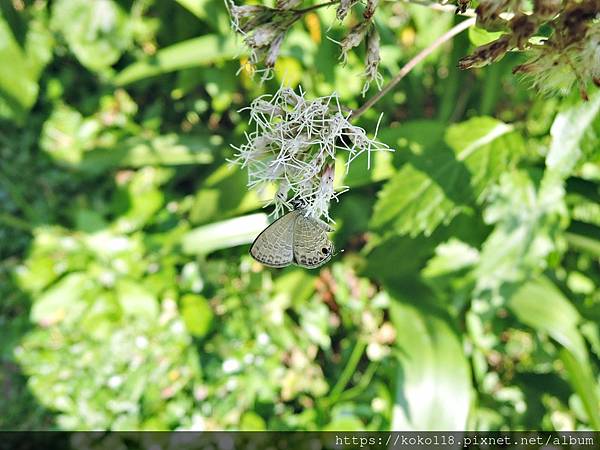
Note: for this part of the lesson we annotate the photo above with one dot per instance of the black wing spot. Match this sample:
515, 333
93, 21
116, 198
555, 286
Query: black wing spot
325, 251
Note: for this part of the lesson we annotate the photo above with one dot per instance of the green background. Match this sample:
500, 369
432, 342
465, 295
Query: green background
467, 295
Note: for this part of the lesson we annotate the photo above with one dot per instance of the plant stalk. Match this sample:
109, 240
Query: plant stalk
457, 29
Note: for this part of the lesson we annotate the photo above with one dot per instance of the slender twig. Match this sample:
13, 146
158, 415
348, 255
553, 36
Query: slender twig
412, 63
433, 5
317, 6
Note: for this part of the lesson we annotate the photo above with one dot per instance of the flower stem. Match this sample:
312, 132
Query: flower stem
349, 370
412, 63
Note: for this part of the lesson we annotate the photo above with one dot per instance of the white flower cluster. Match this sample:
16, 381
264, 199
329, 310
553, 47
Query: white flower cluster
294, 146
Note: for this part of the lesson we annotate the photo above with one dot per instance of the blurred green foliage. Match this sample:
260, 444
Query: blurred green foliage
467, 295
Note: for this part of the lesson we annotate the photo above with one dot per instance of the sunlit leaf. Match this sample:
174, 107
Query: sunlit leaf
219, 235
584, 384
167, 150
19, 79
195, 52
542, 306
528, 222
568, 130
197, 314
433, 381
136, 300
97, 32
442, 179
61, 300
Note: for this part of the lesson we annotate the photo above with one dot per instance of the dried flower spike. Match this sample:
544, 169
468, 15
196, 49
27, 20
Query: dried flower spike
486, 54
353, 38
344, 8
287, 4
372, 62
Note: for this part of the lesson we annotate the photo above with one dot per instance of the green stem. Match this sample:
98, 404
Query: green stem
348, 371
15, 222
355, 391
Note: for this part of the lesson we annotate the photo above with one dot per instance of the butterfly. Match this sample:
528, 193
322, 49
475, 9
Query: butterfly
294, 238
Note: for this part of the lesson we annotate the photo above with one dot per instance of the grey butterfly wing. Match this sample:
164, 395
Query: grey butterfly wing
274, 246
312, 247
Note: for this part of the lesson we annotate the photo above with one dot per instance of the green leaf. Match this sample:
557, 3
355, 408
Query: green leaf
584, 384
433, 387
195, 52
359, 173
224, 193
15, 21
197, 314
196, 7
528, 225
97, 32
66, 135
19, 79
479, 36
487, 147
136, 300
439, 181
542, 306
250, 421
450, 256
225, 234
166, 150
568, 130
60, 300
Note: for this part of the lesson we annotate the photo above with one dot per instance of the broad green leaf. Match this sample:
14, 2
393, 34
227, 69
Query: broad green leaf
528, 225
479, 36
433, 385
439, 181
15, 21
345, 423
224, 193
61, 300
450, 256
568, 131
66, 135
411, 202
487, 147
136, 300
542, 306
165, 150
19, 79
195, 52
97, 32
360, 174
197, 314
229, 233
251, 421
584, 384
196, 7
